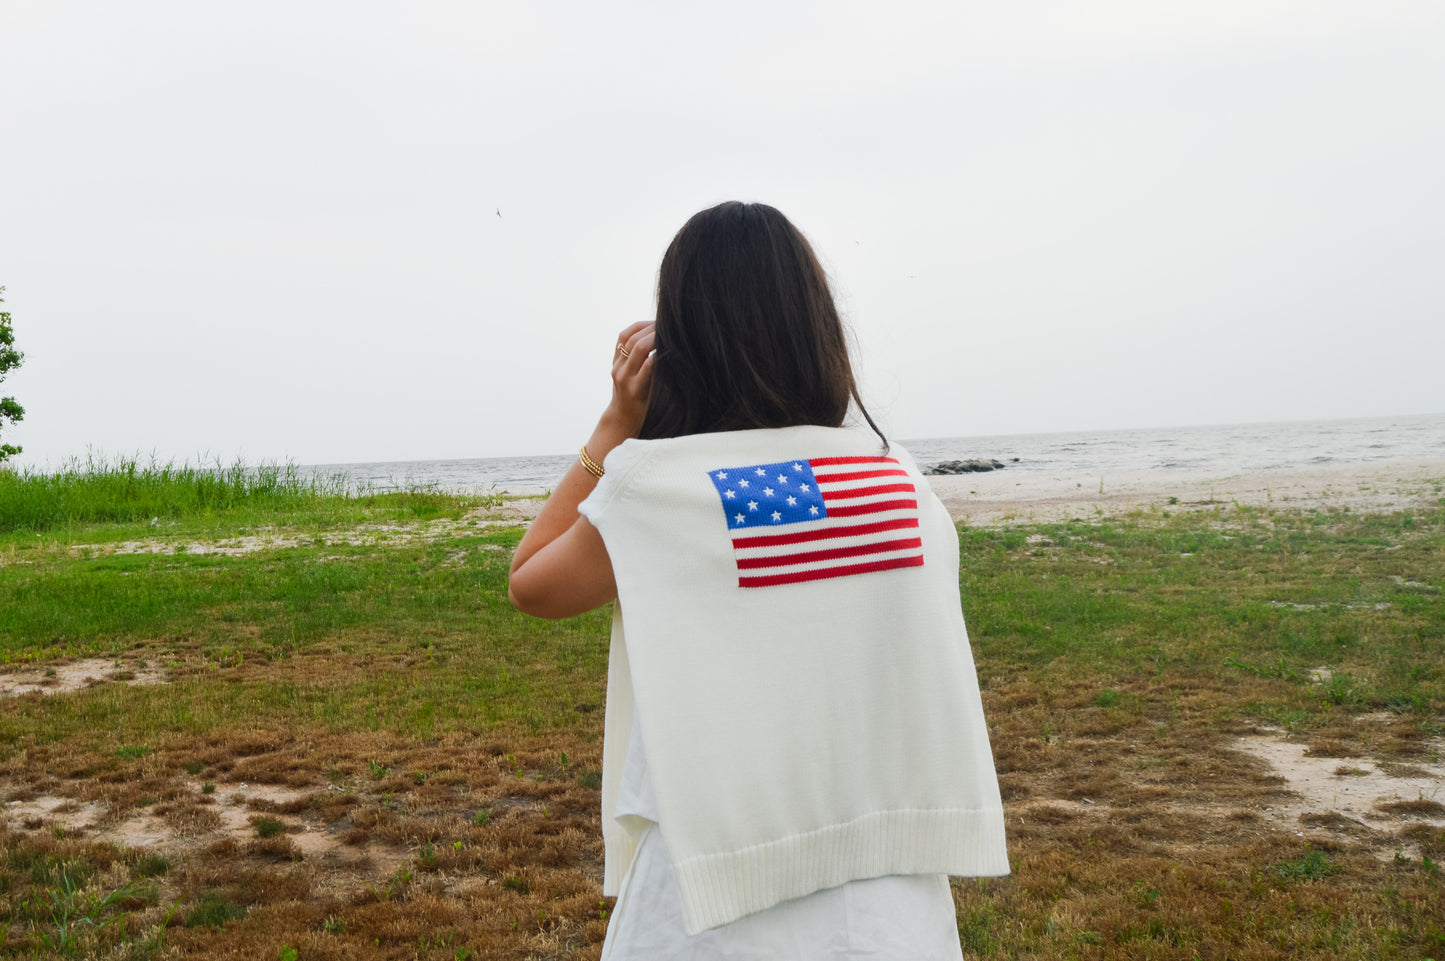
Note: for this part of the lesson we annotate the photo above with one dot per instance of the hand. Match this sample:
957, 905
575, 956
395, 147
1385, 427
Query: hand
561, 566
631, 379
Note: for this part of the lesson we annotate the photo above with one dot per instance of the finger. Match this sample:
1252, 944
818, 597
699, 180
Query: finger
640, 380
639, 349
631, 355
620, 354
642, 339
631, 330
641, 383
624, 347
642, 330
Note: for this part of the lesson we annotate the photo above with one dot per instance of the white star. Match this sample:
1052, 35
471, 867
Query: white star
792, 501
813, 510
782, 478
768, 491
752, 505
742, 483
797, 466
759, 472
722, 475
804, 488
777, 516
728, 495
739, 518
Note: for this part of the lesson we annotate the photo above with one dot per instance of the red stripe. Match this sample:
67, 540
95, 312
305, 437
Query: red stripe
830, 461
853, 493
858, 475
803, 537
833, 554
768, 580
874, 508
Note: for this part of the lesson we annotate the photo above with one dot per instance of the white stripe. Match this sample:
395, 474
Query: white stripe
824, 524
875, 499
834, 562
843, 490
856, 540
864, 481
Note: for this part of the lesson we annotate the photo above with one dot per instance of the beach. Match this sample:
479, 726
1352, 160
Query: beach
1004, 496
1055, 476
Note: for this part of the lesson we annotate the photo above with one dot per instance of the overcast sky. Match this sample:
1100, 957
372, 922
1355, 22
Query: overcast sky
273, 229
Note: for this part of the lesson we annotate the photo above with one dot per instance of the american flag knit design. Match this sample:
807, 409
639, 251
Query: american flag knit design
824, 517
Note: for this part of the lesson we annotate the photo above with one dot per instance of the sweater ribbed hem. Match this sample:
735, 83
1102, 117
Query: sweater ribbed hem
618, 852
720, 888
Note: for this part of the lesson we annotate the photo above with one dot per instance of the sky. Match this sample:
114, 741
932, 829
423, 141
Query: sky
341, 232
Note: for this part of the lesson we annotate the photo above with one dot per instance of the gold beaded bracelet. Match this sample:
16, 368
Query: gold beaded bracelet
590, 465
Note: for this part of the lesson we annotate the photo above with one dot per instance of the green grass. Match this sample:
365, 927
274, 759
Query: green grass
71, 914
152, 865
1313, 866
267, 827
1272, 594
127, 491
416, 614
214, 909
1120, 660
429, 643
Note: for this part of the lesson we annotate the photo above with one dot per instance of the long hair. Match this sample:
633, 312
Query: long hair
747, 334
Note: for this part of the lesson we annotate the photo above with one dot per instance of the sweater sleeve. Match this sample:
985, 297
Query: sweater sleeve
619, 464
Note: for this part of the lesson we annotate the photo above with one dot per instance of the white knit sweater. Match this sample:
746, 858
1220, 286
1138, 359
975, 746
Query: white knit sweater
795, 644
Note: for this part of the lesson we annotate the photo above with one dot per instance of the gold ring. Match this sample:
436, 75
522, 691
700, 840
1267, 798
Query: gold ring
622, 349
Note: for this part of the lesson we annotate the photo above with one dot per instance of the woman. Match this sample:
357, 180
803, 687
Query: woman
794, 754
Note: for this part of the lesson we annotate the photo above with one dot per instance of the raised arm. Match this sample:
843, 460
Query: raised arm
561, 567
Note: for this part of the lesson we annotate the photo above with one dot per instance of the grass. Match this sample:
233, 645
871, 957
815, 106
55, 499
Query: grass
347, 671
127, 491
214, 910
1313, 866
267, 827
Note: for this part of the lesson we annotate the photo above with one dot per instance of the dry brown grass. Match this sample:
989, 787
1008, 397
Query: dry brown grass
1423, 806
1118, 705
1133, 829
394, 866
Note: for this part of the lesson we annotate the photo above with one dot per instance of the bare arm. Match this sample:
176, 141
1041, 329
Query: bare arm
561, 567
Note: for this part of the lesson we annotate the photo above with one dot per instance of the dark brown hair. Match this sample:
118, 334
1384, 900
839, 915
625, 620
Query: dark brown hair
747, 333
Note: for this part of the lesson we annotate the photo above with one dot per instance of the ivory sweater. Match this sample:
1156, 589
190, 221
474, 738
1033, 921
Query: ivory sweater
789, 626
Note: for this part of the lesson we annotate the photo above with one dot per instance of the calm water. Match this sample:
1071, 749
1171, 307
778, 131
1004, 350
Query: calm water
1225, 449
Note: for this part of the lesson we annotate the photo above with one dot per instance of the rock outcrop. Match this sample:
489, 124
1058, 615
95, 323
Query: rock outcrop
971, 466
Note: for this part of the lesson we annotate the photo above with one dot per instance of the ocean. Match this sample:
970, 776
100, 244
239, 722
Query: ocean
1222, 449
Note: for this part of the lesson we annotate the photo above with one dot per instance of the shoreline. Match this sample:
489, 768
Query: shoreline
999, 497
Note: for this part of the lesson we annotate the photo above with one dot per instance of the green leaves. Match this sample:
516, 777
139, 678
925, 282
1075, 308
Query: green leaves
10, 358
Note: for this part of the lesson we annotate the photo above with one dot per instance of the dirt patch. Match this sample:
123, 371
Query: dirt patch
1053, 811
63, 678
229, 812
1345, 798
237, 807
364, 535
61, 812
230, 546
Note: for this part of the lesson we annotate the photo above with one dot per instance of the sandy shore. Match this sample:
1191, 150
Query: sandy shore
1006, 496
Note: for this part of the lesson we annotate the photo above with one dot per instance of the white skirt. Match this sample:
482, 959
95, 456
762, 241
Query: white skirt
881, 919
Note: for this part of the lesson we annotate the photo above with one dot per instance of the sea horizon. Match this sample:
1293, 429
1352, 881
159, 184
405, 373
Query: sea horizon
1264, 445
